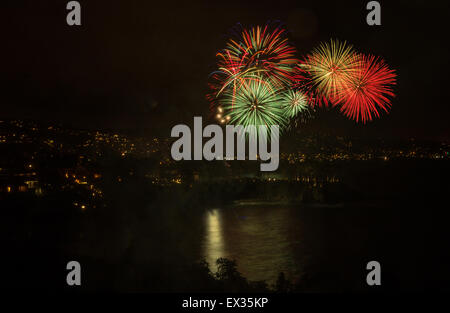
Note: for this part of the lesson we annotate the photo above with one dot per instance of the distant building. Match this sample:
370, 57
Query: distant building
19, 182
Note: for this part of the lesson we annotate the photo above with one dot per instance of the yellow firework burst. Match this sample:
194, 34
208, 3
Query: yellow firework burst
330, 66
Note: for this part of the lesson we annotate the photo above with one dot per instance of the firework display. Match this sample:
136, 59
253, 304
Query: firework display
260, 81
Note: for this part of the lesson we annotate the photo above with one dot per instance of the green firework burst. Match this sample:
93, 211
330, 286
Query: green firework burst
256, 102
294, 102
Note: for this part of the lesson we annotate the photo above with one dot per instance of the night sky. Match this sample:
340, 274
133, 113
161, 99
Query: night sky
143, 65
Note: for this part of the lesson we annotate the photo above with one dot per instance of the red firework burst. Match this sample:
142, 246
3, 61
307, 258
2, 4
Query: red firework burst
263, 50
259, 52
367, 90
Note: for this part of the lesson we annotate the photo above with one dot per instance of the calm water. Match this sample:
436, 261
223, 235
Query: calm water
264, 240
338, 239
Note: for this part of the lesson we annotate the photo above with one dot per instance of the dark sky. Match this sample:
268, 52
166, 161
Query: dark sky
143, 65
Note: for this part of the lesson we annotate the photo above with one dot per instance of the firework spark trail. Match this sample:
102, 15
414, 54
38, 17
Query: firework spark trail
303, 82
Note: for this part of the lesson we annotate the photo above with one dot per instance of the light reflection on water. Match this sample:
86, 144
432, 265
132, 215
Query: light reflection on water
214, 241
262, 240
